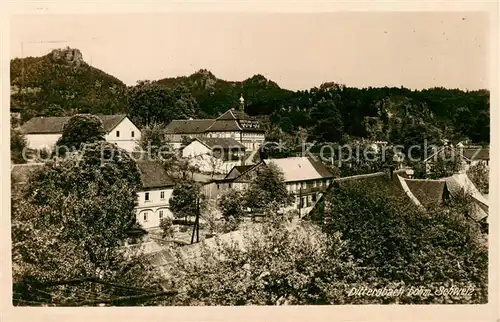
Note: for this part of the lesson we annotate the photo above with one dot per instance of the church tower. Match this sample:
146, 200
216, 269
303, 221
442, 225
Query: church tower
242, 103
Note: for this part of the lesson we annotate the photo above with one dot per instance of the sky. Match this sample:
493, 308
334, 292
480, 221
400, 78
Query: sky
296, 50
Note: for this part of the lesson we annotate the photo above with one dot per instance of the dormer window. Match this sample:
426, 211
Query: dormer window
117, 134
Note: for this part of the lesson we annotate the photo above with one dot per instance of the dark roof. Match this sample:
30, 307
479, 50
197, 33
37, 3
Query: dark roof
153, 175
188, 126
428, 192
228, 121
321, 168
111, 121
476, 154
243, 168
225, 143
224, 125
238, 170
55, 124
233, 114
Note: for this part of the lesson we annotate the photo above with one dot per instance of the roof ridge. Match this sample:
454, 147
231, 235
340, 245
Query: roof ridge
423, 180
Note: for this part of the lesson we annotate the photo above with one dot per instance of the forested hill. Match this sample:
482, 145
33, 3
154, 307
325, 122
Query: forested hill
215, 96
333, 112
61, 83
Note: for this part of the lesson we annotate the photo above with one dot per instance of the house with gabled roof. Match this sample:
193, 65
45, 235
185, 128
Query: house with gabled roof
43, 132
234, 124
468, 156
305, 177
154, 195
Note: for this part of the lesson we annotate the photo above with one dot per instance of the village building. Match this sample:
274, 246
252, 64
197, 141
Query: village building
43, 132
153, 197
466, 156
234, 124
423, 193
214, 155
305, 177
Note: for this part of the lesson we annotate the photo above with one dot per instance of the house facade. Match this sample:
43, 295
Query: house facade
154, 195
43, 132
214, 155
305, 178
233, 124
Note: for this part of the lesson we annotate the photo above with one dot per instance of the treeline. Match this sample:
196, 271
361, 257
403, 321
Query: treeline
44, 86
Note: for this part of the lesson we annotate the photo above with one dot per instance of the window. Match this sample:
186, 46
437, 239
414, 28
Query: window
162, 195
145, 216
146, 196
314, 184
230, 186
161, 214
314, 197
132, 134
117, 134
218, 187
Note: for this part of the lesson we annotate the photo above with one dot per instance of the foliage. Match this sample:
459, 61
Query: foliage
277, 265
150, 103
267, 190
479, 175
384, 234
187, 199
154, 142
231, 204
81, 129
73, 216
167, 228
441, 165
18, 144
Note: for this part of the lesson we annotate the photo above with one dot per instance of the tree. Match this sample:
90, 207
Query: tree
273, 266
267, 191
73, 217
328, 121
155, 143
81, 129
150, 103
479, 175
187, 199
18, 144
231, 204
384, 234
166, 226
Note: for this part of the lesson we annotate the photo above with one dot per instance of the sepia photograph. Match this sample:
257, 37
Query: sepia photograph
250, 159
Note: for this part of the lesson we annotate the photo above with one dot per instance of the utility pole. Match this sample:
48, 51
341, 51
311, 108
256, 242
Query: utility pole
196, 226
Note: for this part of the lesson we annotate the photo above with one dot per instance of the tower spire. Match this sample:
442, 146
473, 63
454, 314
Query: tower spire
242, 103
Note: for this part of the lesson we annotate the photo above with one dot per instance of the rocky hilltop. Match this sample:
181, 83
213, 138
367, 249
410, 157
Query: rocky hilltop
62, 83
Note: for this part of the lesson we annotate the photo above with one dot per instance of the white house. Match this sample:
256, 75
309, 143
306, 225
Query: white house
43, 132
214, 155
154, 196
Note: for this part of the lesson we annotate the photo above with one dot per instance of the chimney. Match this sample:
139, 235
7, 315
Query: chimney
389, 171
